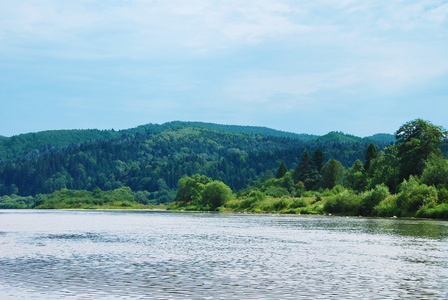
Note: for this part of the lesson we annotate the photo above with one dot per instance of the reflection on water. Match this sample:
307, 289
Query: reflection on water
160, 255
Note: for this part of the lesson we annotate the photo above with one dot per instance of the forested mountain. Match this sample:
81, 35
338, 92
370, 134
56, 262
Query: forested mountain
381, 138
154, 161
19, 144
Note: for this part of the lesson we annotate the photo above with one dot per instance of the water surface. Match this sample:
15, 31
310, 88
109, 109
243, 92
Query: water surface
170, 255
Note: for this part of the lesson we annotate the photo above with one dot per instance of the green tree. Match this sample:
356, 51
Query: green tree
371, 154
384, 170
215, 194
332, 173
281, 170
354, 178
416, 140
189, 189
436, 171
303, 169
267, 175
318, 159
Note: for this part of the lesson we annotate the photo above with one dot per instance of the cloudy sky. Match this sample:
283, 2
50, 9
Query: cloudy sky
361, 67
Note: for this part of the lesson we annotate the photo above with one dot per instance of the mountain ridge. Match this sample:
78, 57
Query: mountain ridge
19, 144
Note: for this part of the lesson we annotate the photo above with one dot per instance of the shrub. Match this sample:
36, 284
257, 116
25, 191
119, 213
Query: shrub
277, 192
252, 200
372, 198
413, 195
296, 203
434, 211
387, 208
345, 202
280, 204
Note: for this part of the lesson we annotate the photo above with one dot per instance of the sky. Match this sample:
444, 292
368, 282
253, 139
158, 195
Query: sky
360, 67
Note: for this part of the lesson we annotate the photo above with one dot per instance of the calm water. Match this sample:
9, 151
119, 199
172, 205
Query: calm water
167, 255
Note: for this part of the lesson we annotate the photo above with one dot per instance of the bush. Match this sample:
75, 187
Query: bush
413, 195
280, 204
387, 208
277, 192
346, 202
372, 198
296, 203
252, 200
434, 211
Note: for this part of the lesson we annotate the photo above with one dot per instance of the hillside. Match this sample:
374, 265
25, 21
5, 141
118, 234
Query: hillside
339, 137
18, 145
381, 138
154, 162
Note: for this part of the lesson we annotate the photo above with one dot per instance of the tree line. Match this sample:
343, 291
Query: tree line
154, 162
409, 178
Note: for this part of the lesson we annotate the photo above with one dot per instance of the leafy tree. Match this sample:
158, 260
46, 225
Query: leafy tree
267, 175
436, 171
416, 140
288, 183
215, 194
413, 194
371, 154
281, 170
384, 170
372, 198
354, 177
190, 189
332, 173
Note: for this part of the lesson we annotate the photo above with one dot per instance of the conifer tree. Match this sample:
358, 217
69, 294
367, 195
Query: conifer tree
281, 170
371, 154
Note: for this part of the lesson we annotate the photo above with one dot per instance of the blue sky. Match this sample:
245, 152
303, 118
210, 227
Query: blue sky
361, 67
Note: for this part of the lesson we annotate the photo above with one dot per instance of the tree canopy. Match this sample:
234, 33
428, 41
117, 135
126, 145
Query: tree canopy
416, 141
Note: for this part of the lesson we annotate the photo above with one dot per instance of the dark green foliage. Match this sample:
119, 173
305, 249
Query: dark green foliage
308, 170
345, 203
303, 169
296, 203
318, 159
372, 198
123, 197
339, 137
384, 170
371, 154
434, 211
16, 202
154, 162
277, 192
281, 170
435, 172
215, 194
354, 177
201, 192
190, 189
416, 140
251, 200
414, 195
279, 204
332, 173
381, 138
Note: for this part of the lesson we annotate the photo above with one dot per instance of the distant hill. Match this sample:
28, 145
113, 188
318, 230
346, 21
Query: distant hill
381, 138
20, 144
339, 137
153, 162
236, 129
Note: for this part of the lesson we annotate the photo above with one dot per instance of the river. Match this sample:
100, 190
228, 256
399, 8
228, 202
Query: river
175, 255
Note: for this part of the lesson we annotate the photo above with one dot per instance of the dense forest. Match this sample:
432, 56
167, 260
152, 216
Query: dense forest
149, 163
18, 145
154, 162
